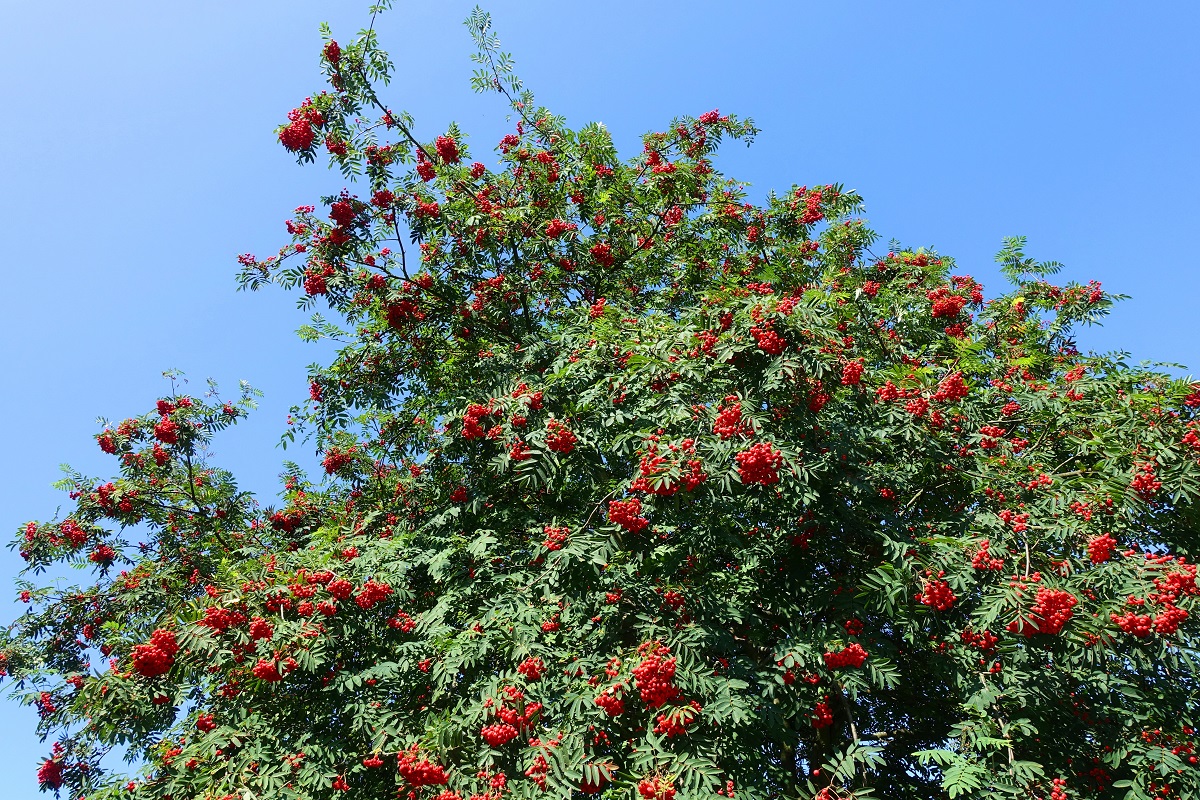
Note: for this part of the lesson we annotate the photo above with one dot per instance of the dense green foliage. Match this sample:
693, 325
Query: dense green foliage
632, 487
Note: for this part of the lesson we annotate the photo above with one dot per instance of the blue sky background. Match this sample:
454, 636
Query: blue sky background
139, 160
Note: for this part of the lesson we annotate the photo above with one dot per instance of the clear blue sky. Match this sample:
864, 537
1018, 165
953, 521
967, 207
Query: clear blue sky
138, 161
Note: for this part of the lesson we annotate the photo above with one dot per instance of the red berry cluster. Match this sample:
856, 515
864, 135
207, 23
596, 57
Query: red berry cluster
611, 700
1166, 622
768, 340
260, 629
343, 212
656, 787
626, 513
812, 206
221, 619
1145, 482
984, 560
266, 670
559, 437
1139, 625
157, 657
1101, 548
337, 458
944, 303
654, 677
556, 538
602, 253
673, 599
1019, 522
852, 372
472, 429
340, 588
46, 705
419, 771
74, 533
984, 641
167, 430
951, 388
937, 594
447, 149
425, 167
514, 715
402, 622
889, 392
402, 313
498, 733
1052, 609
760, 464
371, 593
532, 668
1175, 584
50, 773
103, 555
299, 134
991, 436
656, 469
676, 722
728, 423
917, 406
557, 227
853, 655
822, 716
1055, 607
536, 772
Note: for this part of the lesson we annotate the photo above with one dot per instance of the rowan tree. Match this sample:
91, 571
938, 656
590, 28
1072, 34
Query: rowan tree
632, 488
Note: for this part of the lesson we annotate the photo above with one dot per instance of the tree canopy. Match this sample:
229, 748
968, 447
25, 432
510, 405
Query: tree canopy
632, 488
